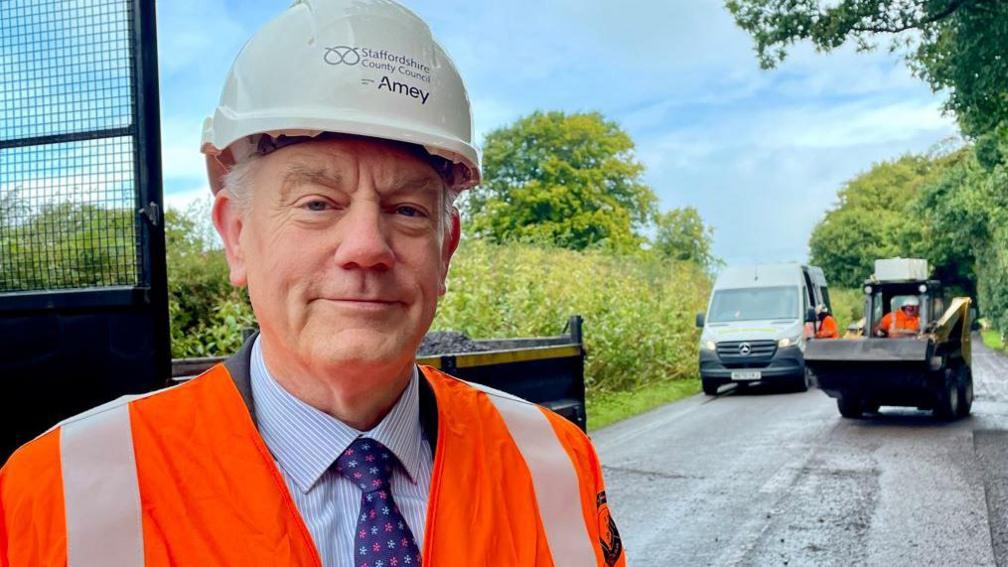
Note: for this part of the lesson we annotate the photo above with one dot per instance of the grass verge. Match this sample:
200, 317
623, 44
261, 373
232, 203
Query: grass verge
609, 407
992, 339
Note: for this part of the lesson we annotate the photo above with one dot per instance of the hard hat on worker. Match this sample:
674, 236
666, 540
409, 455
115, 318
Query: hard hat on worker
911, 301
366, 68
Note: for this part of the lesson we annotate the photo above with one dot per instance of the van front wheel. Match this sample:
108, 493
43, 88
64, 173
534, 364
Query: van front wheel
802, 383
710, 387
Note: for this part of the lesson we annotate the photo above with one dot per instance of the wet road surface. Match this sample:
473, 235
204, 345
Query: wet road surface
763, 478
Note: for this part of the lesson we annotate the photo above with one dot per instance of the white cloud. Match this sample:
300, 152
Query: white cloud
180, 154
197, 42
760, 153
857, 124
765, 177
814, 124
105, 189
197, 37
183, 199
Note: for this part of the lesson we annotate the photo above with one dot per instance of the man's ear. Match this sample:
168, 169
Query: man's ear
449, 246
229, 221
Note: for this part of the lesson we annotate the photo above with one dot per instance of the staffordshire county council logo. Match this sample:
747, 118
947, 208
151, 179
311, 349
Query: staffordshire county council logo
342, 55
609, 537
744, 349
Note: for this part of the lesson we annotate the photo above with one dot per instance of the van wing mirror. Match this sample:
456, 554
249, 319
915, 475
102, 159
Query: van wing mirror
700, 320
810, 315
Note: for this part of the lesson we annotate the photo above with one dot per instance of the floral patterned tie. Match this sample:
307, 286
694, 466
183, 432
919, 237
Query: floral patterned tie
383, 539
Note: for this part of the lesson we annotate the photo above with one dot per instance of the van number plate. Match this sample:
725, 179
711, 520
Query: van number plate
746, 375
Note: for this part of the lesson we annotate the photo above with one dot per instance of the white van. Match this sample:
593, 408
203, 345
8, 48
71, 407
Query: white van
754, 330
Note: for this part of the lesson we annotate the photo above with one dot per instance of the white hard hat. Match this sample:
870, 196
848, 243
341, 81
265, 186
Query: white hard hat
361, 67
911, 301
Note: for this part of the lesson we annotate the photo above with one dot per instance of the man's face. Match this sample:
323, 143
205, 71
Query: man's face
344, 253
910, 310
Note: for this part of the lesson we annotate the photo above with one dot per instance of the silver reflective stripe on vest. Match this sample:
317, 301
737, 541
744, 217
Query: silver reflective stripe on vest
102, 499
557, 488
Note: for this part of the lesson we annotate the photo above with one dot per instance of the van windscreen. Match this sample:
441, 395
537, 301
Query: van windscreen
753, 304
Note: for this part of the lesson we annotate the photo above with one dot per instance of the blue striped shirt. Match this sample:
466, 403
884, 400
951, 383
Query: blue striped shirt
305, 442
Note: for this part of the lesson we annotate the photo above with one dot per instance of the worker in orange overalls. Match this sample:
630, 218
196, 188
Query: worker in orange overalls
902, 322
341, 140
827, 324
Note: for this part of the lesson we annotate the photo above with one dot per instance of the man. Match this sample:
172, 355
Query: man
903, 322
342, 137
827, 324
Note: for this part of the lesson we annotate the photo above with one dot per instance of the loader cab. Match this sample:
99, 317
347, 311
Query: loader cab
884, 297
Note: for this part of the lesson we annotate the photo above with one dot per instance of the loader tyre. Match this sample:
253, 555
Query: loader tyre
965, 391
849, 407
709, 387
947, 402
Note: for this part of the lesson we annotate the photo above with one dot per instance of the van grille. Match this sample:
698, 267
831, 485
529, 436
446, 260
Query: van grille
758, 356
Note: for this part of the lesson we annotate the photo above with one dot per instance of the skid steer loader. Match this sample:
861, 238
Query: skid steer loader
927, 367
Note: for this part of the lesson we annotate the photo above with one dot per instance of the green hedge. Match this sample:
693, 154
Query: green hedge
206, 313
848, 306
638, 309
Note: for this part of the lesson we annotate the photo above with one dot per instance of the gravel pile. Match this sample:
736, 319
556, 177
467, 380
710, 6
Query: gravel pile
448, 342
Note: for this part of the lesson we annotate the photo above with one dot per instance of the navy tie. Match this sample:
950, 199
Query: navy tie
383, 539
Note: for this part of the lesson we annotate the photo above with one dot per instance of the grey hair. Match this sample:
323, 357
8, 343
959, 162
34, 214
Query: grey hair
238, 182
450, 195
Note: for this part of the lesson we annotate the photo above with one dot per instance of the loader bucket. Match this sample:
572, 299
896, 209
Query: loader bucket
867, 350
894, 371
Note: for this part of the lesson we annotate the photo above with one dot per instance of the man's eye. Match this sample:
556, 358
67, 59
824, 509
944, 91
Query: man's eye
409, 211
316, 205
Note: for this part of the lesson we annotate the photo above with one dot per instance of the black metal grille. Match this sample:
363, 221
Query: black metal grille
68, 187
759, 353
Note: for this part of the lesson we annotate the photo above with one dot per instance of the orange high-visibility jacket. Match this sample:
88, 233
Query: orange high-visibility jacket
182, 477
828, 329
897, 321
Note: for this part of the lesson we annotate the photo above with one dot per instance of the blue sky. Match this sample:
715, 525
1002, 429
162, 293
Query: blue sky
760, 154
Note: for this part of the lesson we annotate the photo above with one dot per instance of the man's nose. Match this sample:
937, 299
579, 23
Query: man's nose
363, 240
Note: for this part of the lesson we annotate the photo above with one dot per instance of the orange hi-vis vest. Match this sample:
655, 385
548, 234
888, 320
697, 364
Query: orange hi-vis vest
182, 477
828, 329
897, 321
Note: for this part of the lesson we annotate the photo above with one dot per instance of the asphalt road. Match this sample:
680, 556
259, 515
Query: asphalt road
763, 478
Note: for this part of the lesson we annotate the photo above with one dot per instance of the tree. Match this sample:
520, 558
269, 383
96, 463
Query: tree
567, 179
207, 314
876, 217
11, 209
967, 212
967, 54
682, 235
955, 208
959, 47
65, 245
955, 45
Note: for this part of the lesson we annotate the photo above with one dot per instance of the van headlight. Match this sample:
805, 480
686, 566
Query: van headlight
710, 346
789, 341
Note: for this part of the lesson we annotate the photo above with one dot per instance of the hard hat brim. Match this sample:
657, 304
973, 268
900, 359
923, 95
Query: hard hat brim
222, 139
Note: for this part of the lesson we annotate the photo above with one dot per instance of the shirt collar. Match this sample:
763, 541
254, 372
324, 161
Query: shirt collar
305, 441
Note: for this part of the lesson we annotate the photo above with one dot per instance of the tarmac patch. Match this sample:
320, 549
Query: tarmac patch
991, 448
